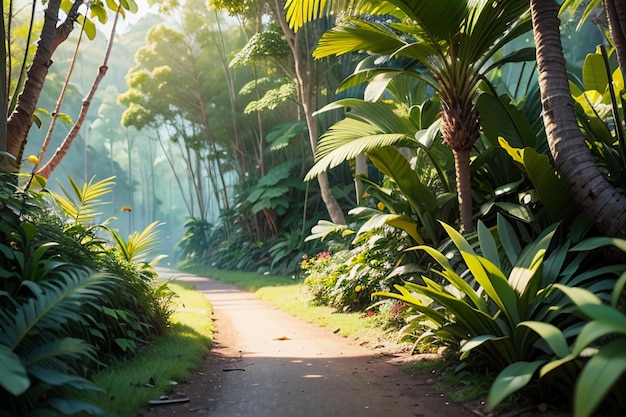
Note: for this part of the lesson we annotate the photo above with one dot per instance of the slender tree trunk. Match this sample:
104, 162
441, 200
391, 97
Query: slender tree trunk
616, 15
592, 193
307, 100
464, 188
52, 35
62, 150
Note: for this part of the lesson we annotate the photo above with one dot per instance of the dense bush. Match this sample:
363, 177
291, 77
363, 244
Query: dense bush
65, 295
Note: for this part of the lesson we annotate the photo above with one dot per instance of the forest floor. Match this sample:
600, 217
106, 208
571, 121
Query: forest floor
267, 363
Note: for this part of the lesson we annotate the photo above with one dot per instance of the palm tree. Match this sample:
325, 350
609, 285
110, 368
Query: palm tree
454, 40
589, 189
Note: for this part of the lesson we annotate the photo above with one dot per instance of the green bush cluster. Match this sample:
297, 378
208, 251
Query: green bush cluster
70, 303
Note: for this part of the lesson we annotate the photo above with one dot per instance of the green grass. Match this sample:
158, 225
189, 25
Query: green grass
290, 296
170, 359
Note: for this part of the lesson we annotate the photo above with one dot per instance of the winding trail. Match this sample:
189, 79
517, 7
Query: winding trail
266, 363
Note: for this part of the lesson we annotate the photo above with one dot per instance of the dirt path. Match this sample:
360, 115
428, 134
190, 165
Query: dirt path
266, 363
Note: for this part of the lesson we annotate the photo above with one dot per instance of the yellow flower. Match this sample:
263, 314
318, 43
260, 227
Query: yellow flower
126, 208
358, 288
380, 205
33, 159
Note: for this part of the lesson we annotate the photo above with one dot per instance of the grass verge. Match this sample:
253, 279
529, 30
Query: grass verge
129, 384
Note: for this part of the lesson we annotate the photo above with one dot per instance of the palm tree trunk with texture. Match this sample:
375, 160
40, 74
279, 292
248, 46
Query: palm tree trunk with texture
598, 199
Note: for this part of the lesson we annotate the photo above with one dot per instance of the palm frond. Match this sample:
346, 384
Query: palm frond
80, 204
355, 35
139, 244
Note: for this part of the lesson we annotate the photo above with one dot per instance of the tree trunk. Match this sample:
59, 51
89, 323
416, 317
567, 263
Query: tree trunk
592, 193
464, 188
307, 99
616, 15
20, 121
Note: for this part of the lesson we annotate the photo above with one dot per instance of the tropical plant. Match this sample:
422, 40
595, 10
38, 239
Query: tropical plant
79, 203
453, 40
418, 173
40, 355
197, 241
597, 348
139, 244
499, 285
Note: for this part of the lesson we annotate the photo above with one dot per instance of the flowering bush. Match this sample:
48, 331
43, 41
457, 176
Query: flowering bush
347, 279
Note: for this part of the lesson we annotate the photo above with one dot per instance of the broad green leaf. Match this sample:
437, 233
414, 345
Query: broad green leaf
502, 119
513, 378
598, 377
551, 190
407, 224
594, 73
551, 334
13, 377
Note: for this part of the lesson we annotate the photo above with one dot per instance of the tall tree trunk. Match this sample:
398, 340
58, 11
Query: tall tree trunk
307, 99
592, 193
52, 35
616, 15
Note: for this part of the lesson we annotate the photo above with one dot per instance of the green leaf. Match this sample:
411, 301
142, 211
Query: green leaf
58, 379
502, 119
553, 336
70, 407
594, 73
598, 377
509, 240
552, 192
88, 26
98, 11
474, 342
513, 378
13, 377
606, 315
599, 242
